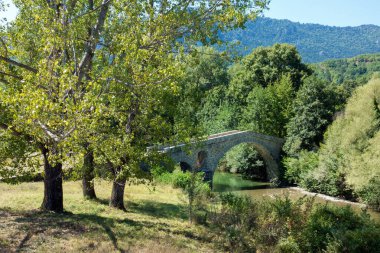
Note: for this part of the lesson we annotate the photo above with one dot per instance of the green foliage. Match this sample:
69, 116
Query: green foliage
340, 228
105, 73
202, 85
350, 72
196, 191
370, 193
328, 182
352, 141
287, 245
349, 157
245, 159
283, 225
282, 218
312, 112
235, 223
266, 66
307, 171
315, 42
298, 167
269, 109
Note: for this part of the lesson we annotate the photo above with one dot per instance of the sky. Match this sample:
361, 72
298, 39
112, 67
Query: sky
325, 12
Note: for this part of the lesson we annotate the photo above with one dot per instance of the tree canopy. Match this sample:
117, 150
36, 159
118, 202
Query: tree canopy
100, 71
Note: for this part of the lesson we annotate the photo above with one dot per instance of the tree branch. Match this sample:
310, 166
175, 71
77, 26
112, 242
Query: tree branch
10, 61
11, 75
53, 136
15, 132
92, 41
48, 132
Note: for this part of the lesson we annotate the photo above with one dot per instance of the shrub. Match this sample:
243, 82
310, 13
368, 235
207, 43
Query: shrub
234, 223
297, 168
371, 193
283, 225
279, 219
161, 175
287, 245
328, 182
341, 229
197, 192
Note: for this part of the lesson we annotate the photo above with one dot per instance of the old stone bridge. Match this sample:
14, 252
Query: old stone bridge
205, 155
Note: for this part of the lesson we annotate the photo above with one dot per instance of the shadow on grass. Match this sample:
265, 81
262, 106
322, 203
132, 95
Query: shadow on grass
56, 225
152, 208
157, 209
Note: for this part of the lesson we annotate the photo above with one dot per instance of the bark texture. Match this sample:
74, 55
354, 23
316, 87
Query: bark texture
53, 194
88, 176
117, 196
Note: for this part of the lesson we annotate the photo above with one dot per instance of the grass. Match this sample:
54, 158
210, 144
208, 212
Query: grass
155, 221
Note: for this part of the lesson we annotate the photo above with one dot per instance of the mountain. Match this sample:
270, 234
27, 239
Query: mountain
315, 42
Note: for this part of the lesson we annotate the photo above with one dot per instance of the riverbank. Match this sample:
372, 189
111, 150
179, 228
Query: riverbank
329, 198
225, 182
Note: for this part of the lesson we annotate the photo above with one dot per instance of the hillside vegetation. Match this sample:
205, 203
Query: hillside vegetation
347, 163
355, 136
358, 69
315, 43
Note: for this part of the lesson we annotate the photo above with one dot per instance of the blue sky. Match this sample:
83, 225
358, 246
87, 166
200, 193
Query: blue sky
326, 12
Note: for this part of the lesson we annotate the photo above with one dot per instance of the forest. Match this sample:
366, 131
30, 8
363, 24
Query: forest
315, 43
328, 123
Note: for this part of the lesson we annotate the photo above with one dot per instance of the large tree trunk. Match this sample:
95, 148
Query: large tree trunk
53, 194
117, 196
88, 176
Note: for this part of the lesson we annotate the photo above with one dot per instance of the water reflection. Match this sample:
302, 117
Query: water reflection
226, 182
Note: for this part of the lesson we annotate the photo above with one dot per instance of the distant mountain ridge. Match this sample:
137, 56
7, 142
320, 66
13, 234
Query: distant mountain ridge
316, 43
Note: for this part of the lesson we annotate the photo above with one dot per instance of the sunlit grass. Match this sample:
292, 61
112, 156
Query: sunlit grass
155, 221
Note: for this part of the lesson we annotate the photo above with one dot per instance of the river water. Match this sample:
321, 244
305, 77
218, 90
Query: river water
225, 182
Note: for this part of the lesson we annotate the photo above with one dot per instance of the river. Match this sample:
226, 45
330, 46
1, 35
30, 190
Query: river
224, 182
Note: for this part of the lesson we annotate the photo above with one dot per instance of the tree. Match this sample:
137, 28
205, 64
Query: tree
265, 66
78, 70
141, 109
202, 86
269, 109
313, 110
46, 60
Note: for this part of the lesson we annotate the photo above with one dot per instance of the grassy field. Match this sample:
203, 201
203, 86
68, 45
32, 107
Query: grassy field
155, 221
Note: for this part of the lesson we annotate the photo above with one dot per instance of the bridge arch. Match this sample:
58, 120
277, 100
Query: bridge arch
205, 155
271, 164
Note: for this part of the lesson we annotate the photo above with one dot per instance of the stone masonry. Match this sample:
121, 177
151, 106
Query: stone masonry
205, 155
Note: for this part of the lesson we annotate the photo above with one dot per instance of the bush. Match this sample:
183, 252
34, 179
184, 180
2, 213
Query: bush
309, 172
297, 168
161, 175
279, 219
234, 223
283, 225
328, 182
341, 229
197, 192
287, 245
370, 194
